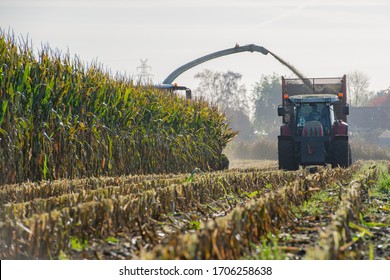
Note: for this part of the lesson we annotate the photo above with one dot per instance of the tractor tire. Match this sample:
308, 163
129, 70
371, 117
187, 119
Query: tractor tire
286, 155
341, 154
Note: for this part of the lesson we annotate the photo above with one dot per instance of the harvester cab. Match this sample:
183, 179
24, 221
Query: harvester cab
314, 129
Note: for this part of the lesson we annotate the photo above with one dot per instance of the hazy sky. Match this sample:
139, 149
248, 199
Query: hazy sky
320, 38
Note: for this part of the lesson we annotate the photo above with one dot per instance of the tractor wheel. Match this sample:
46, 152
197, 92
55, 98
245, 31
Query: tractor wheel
341, 154
286, 155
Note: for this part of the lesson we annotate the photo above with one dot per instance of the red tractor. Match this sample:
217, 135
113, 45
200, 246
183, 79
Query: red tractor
314, 129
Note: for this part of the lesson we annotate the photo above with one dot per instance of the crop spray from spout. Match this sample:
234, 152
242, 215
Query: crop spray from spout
237, 49
306, 81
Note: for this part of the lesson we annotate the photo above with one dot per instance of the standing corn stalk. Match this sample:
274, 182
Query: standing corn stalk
62, 119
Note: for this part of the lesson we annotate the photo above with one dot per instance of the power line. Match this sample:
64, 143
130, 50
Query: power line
143, 76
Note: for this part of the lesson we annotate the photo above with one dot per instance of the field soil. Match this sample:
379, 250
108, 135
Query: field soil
251, 211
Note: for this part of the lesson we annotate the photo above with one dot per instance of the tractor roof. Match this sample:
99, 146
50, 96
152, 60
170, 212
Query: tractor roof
315, 98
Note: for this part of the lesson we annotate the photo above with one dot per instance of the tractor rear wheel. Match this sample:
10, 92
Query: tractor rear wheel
341, 154
286, 155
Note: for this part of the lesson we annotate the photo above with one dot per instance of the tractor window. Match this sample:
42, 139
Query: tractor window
315, 112
309, 112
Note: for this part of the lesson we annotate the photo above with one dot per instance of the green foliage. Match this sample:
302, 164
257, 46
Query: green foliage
312, 208
384, 185
62, 256
254, 194
112, 240
190, 177
61, 118
195, 225
268, 249
78, 244
362, 230
267, 94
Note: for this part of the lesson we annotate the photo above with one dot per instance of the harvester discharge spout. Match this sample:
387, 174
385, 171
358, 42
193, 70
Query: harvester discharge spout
237, 49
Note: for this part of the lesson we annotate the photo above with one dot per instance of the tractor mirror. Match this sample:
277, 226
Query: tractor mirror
281, 111
346, 110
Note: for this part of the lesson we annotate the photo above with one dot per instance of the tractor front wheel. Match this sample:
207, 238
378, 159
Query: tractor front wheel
286, 155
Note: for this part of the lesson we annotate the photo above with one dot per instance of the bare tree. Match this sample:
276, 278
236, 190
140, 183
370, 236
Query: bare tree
223, 89
358, 83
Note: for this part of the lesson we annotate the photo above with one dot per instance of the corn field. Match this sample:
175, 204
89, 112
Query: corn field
94, 167
61, 118
217, 215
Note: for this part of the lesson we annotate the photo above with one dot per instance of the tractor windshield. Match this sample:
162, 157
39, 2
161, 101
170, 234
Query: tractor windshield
320, 112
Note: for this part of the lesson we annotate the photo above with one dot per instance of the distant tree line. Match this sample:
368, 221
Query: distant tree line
253, 113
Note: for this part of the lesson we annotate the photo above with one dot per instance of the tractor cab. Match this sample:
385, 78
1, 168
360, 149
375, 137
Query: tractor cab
312, 115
